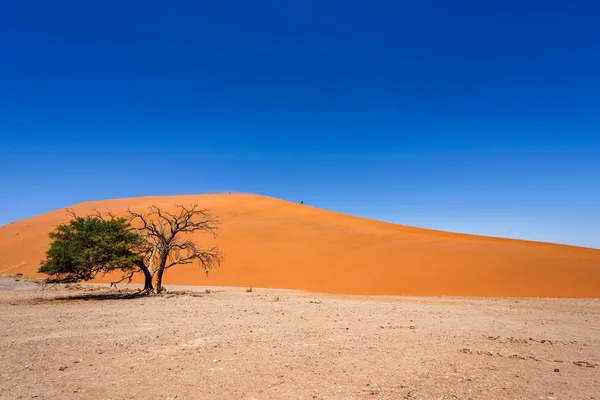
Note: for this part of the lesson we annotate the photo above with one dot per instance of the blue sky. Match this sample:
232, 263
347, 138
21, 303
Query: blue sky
471, 116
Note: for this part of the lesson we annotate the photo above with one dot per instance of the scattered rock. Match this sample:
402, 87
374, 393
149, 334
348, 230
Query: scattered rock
518, 341
584, 364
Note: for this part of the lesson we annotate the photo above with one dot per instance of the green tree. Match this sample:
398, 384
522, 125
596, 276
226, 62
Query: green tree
87, 246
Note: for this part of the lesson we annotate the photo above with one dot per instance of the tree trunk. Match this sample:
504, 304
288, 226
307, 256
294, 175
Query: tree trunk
160, 270
159, 276
148, 288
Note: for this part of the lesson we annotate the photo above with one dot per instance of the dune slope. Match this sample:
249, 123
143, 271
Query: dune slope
278, 244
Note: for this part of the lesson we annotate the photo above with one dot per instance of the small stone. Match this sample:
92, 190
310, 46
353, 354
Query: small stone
556, 370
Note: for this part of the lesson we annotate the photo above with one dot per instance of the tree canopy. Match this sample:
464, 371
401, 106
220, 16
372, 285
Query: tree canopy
87, 246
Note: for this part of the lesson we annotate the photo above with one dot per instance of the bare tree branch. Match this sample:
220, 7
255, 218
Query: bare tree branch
127, 277
101, 216
167, 235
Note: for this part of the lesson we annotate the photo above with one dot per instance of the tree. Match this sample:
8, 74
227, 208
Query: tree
149, 242
87, 246
168, 241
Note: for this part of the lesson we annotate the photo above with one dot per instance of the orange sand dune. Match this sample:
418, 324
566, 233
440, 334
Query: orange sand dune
277, 244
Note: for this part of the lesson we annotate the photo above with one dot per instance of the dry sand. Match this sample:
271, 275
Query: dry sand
229, 344
277, 244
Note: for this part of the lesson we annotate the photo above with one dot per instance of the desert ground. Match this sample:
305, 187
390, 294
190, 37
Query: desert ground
61, 342
284, 245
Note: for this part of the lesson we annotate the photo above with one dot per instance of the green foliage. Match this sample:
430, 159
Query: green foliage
86, 246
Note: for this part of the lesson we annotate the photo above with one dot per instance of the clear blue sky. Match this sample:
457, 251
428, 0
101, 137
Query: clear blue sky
477, 116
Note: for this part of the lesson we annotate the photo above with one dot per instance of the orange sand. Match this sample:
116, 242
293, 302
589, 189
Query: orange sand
277, 244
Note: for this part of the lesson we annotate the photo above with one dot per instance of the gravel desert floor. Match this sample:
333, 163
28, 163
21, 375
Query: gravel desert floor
58, 342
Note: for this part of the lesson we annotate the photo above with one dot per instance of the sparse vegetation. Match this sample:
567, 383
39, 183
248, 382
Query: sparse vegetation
249, 290
275, 299
22, 278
